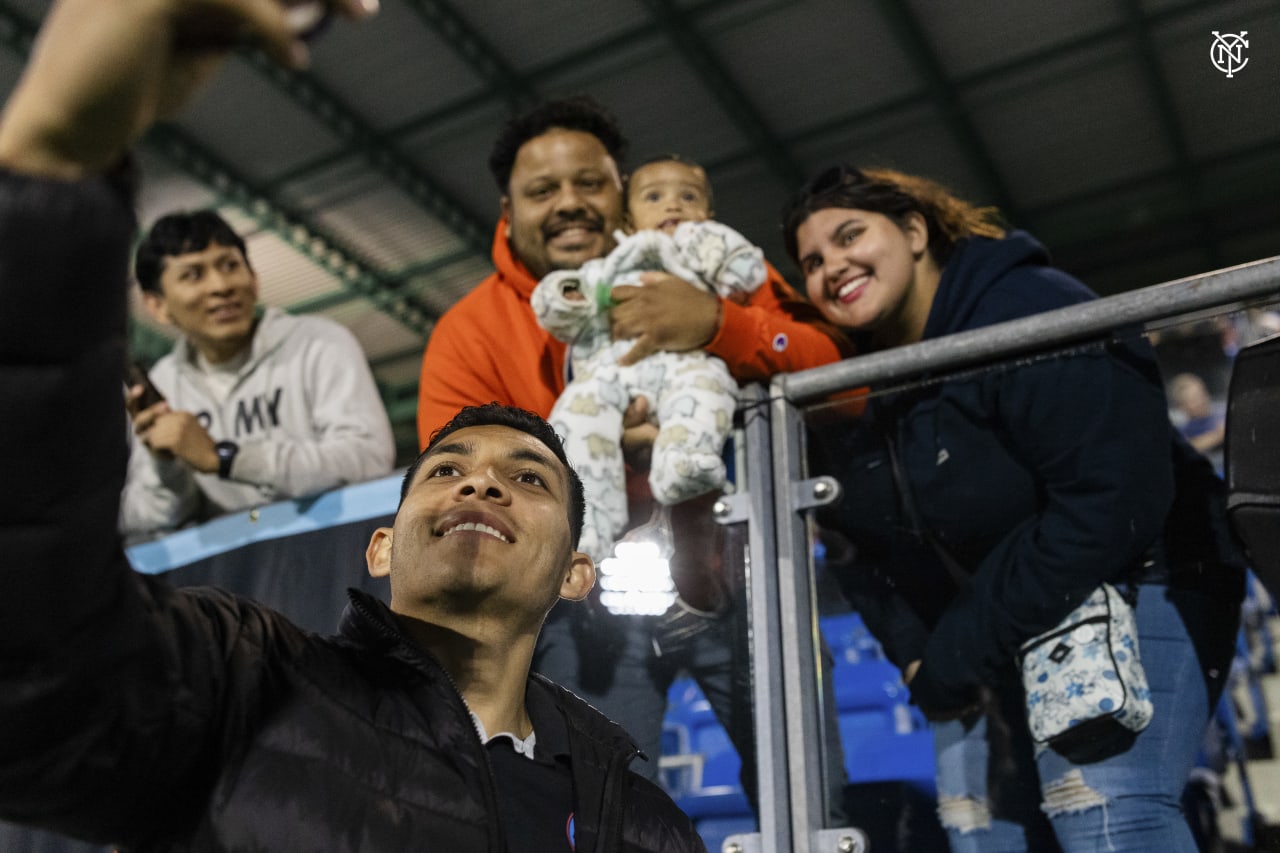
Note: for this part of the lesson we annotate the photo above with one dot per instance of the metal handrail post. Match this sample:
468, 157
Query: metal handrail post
765, 627
802, 692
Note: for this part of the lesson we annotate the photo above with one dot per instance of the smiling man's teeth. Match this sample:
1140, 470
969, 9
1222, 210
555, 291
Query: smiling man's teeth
476, 526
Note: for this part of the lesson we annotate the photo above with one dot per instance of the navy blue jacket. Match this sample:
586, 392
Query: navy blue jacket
1041, 478
188, 719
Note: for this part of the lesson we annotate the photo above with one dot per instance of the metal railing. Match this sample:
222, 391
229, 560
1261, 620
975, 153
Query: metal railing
784, 628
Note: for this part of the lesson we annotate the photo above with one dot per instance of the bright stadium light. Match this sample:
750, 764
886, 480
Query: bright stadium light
637, 578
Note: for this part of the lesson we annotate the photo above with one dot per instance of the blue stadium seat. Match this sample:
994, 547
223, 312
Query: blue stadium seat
890, 757
849, 639
885, 737
871, 684
714, 830
702, 776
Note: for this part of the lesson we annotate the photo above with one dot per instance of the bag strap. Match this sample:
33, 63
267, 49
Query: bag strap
888, 429
906, 499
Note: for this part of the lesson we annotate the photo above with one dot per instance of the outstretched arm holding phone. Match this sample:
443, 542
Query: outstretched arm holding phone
101, 73
78, 630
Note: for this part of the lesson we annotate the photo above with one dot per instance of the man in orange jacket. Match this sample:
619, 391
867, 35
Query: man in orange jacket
489, 346
558, 172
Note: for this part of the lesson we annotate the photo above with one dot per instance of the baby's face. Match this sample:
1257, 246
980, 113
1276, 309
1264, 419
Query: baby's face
666, 193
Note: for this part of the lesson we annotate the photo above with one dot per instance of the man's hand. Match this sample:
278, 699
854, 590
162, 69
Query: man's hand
666, 314
910, 672
176, 435
171, 435
103, 71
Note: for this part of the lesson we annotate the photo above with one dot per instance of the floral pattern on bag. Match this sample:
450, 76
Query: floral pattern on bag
1086, 668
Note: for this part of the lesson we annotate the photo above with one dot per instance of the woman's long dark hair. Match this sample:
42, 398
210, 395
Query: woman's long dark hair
895, 195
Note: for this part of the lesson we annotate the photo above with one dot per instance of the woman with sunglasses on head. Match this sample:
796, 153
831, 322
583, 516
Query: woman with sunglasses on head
986, 507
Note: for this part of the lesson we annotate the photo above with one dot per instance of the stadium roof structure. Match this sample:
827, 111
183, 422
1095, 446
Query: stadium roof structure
1138, 139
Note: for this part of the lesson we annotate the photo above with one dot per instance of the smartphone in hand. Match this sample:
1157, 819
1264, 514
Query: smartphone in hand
137, 375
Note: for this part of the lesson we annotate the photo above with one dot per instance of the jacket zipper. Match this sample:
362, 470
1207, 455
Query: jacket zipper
892, 434
491, 790
1044, 638
460, 706
614, 776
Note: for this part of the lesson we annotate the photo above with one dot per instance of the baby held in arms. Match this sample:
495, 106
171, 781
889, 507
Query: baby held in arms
690, 394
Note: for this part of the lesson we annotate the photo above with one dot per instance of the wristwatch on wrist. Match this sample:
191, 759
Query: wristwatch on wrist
226, 451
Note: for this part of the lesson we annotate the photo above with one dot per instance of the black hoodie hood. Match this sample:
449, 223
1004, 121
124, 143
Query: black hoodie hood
985, 281
980, 265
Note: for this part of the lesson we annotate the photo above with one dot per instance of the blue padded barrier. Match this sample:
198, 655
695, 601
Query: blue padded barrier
227, 533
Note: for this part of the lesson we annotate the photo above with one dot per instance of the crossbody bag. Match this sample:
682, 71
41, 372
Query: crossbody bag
1083, 678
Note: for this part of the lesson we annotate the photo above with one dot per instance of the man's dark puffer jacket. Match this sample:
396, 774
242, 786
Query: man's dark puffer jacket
163, 719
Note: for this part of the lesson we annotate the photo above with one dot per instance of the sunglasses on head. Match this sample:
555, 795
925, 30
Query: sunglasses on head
841, 174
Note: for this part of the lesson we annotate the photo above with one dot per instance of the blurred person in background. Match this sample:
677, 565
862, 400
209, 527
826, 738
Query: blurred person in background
258, 406
1201, 421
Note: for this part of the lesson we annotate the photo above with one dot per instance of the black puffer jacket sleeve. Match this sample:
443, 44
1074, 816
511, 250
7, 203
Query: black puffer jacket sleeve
114, 689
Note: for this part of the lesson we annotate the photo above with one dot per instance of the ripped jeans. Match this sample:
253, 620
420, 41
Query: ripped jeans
996, 795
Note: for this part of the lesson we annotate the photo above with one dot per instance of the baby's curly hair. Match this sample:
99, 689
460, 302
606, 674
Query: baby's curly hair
580, 112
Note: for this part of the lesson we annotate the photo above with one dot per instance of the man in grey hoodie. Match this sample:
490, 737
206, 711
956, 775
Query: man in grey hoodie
258, 406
